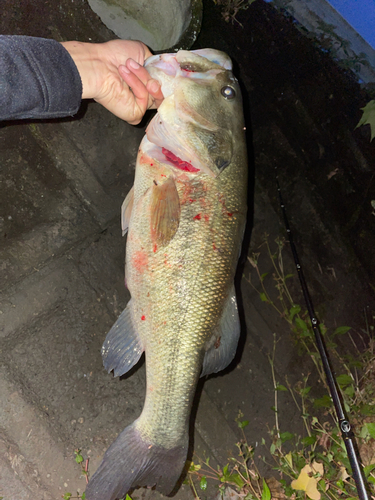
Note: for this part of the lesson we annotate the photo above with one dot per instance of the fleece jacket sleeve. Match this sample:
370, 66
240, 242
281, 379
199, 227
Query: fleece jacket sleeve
38, 79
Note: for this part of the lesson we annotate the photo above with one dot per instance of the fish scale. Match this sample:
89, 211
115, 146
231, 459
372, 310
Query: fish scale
185, 219
199, 307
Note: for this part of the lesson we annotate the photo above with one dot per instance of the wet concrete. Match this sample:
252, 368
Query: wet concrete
62, 254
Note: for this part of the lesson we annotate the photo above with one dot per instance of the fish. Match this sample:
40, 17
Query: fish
184, 218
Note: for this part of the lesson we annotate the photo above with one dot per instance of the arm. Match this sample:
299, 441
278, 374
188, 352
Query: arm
42, 78
38, 79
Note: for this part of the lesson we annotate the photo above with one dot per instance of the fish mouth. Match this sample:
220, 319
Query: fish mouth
165, 67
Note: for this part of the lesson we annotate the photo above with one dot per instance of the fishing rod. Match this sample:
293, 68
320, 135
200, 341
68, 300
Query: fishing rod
336, 396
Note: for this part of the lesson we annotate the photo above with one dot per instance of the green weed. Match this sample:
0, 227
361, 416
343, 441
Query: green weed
84, 471
368, 118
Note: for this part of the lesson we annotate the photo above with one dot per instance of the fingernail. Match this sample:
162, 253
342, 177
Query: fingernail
154, 86
133, 64
124, 69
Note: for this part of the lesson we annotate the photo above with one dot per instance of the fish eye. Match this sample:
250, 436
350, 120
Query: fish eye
228, 92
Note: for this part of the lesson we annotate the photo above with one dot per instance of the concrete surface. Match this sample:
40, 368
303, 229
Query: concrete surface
62, 255
62, 288
159, 24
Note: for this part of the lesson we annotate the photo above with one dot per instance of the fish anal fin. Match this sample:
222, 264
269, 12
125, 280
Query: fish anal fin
130, 462
221, 348
122, 347
126, 210
165, 211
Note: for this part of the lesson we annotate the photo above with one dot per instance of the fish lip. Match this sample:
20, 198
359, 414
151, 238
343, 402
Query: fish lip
164, 62
163, 68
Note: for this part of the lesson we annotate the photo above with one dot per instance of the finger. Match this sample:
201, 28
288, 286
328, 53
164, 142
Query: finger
153, 86
142, 77
138, 87
138, 70
140, 93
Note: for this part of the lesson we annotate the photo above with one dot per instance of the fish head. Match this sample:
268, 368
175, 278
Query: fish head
197, 123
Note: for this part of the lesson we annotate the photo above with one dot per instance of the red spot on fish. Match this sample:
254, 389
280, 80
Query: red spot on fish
151, 164
163, 175
177, 162
145, 159
206, 217
187, 190
214, 246
143, 317
140, 260
229, 214
197, 217
155, 247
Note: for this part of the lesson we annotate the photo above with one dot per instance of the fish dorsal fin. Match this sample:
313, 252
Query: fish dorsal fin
164, 211
222, 346
126, 211
122, 347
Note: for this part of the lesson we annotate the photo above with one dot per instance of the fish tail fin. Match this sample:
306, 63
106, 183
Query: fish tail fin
131, 462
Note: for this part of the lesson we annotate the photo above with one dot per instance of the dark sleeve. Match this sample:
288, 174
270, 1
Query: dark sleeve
38, 79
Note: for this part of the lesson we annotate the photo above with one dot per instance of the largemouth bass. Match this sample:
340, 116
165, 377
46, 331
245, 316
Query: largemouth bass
185, 218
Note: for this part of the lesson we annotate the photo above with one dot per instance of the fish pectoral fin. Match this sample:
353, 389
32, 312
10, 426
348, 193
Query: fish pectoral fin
122, 347
222, 346
126, 211
164, 211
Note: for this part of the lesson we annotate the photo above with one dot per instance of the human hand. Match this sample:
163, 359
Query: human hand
112, 74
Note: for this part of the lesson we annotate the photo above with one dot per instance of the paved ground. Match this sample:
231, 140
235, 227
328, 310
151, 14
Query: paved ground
62, 288
62, 255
